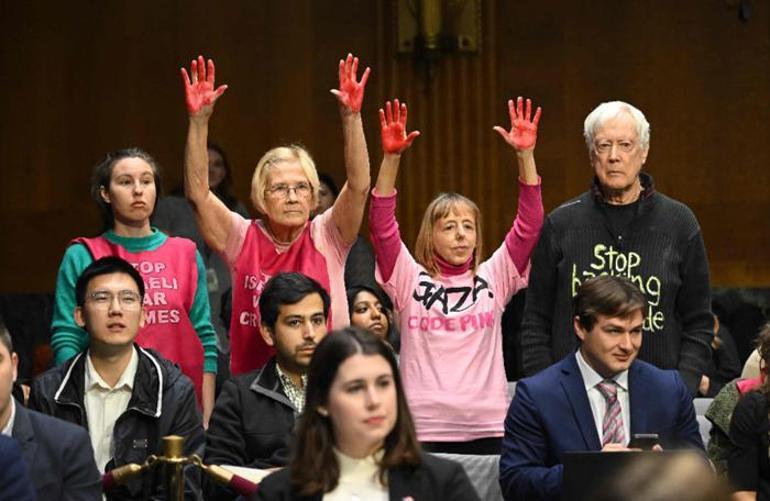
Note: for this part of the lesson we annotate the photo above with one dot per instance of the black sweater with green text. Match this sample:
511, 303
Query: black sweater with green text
661, 250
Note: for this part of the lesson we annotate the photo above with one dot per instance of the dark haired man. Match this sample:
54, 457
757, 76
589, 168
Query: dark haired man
595, 398
58, 454
127, 397
253, 419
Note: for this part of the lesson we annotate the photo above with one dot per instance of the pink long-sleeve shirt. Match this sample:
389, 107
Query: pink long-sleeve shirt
451, 338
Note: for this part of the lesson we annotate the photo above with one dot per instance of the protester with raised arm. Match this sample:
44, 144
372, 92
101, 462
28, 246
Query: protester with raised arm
284, 190
448, 299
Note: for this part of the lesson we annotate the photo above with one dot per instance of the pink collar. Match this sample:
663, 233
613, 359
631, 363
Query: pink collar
746, 385
447, 268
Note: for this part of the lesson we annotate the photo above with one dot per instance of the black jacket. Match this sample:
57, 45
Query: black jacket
154, 411
58, 455
252, 425
436, 479
661, 250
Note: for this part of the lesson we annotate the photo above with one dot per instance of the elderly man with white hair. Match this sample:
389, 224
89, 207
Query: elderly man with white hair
622, 226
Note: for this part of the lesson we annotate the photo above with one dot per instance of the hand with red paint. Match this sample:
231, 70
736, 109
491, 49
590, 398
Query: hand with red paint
351, 93
199, 92
523, 133
393, 129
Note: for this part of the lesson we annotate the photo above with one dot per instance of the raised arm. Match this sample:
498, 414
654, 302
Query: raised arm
522, 137
522, 237
395, 141
348, 209
212, 216
382, 212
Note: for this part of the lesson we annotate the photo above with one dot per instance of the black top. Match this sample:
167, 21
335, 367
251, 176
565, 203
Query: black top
661, 250
748, 463
620, 216
435, 479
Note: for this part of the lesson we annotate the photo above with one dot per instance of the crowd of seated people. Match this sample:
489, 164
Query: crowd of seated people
354, 385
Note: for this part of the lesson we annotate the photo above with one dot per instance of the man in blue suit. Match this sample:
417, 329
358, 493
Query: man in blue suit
594, 399
58, 455
14, 479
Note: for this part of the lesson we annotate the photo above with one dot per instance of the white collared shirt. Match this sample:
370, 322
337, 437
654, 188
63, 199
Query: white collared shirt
104, 405
8, 429
598, 403
359, 479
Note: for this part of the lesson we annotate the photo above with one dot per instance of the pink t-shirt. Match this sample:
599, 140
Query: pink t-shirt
319, 252
451, 337
451, 346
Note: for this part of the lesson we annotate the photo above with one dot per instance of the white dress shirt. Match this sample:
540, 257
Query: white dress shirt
104, 405
598, 403
8, 429
359, 479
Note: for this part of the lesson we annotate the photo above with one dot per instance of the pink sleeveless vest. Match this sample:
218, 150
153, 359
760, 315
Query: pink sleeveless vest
256, 264
170, 278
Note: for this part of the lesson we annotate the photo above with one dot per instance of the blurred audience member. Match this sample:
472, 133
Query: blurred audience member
58, 454
724, 365
327, 193
594, 399
14, 478
371, 309
127, 397
748, 465
720, 411
356, 439
682, 477
254, 417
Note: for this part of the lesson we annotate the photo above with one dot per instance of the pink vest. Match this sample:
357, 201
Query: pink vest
170, 279
257, 262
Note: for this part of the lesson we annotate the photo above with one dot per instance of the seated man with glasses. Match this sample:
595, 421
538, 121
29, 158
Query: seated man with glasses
127, 397
622, 226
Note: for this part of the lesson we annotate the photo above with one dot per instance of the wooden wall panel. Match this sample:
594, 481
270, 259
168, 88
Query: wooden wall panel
82, 78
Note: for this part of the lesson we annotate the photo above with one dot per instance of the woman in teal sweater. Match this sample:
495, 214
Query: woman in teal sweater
177, 316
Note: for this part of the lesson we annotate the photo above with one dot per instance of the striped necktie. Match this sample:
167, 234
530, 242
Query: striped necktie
612, 424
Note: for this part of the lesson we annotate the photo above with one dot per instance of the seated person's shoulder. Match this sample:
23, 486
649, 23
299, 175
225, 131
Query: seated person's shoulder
753, 402
275, 486
64, 431
667, 378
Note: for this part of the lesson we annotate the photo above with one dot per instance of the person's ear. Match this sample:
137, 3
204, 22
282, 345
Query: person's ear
267, 334
15, 365
104, 194
579, 331
142, 318
79, 316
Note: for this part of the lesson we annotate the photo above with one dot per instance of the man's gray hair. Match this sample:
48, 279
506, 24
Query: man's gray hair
605, 111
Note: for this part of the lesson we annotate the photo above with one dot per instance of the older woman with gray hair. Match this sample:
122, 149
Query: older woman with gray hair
284, 190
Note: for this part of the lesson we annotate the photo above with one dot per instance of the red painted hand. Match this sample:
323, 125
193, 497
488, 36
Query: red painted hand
199, 92
523, 133
351, 93
393, 129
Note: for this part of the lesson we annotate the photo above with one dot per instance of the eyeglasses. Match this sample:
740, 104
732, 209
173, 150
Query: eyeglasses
624, 145
128, 300
282, 190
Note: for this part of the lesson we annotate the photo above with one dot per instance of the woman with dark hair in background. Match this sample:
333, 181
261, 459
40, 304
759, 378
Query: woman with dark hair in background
125, 186
174, 215
355, 438
748, 464
327, 193
371, 309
